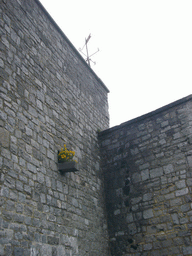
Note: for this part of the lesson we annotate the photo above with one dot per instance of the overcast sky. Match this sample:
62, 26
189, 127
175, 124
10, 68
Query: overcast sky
145, 49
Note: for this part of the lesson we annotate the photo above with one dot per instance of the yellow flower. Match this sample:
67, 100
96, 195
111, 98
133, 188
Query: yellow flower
65, 155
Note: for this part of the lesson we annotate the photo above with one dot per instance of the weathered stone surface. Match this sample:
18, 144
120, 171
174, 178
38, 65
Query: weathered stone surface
187, 250
49, 96
155, 212
147, 214
154, 173
4, 138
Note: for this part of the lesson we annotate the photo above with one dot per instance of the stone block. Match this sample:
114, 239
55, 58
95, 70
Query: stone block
151, 229
132, 228
184, 220
136, 200
180, 184
154, 173
147, 247
189, 159
129, 218
136, 177
175, 218
185, 207
168, 169
175, 202
145, 175
187, 250
147, 197
169, 196
18, 251
4, 138
182, 192
147, 214
189, 182
52, 240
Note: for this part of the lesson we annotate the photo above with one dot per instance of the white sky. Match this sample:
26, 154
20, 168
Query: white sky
145, 56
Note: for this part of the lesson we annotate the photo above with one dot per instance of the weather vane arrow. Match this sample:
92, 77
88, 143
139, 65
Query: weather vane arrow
88, 60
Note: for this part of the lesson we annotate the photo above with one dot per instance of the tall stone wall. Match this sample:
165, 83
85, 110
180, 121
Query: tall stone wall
147, 164
48, 97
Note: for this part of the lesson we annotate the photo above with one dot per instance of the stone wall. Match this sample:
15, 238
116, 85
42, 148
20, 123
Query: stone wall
147, 165
48, 97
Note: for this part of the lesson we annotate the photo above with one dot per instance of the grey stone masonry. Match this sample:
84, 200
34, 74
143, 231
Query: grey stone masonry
147, 164
48, 96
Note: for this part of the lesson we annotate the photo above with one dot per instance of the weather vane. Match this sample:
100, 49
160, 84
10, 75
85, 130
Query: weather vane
88, 57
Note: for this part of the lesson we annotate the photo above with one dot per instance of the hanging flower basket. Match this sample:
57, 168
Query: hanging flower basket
65, 161
71, 166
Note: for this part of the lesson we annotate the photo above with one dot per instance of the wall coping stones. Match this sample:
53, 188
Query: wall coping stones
148, 115
71, 45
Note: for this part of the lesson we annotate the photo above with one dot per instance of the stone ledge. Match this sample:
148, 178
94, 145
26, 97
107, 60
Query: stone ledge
150, 114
